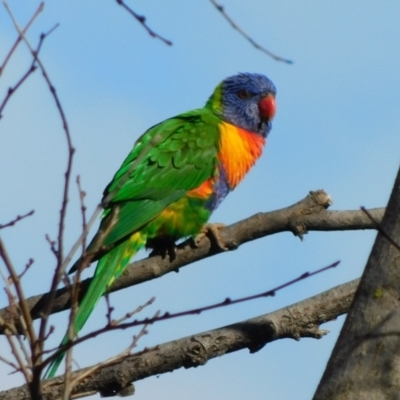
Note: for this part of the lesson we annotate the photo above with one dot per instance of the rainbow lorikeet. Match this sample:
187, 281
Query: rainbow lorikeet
177, 173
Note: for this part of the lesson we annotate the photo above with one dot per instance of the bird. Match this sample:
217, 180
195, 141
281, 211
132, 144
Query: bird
176, 175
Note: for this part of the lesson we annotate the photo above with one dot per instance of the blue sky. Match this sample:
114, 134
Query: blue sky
337, 128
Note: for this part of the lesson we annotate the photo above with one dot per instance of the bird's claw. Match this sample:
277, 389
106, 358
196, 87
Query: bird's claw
213, 233
164, 249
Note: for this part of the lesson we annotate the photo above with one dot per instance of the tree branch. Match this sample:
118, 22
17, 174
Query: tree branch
19, 38
32, 68
123, 323
17, 219
142, 20
296, 321
308, 214
234, 25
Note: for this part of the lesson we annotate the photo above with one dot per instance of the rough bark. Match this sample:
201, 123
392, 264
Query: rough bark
296, 321
309, 214
365, 363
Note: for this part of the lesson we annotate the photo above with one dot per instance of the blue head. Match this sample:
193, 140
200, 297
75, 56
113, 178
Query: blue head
245, 100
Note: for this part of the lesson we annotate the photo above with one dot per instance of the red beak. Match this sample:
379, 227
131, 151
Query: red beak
267, 107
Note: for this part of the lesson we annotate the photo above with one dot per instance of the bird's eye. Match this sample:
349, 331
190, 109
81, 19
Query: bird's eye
243, 94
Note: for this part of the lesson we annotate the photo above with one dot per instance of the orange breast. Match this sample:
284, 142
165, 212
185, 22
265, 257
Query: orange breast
239, 150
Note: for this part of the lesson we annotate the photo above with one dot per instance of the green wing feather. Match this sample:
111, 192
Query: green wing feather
170, 159
166, 162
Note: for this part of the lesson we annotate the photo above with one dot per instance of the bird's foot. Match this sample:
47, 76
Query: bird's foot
214, 234
163, 248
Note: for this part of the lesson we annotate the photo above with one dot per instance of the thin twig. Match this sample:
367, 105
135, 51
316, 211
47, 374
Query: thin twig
380, 229
247, 37
37, 345
130, 314
82, 195
228, 301
24, 350
142, 20
17, 355
196, 311
49, 333
142, 332
13, 89
71, 149
20, 293
110, 309
27, 266
31, 69
13, 305
82, 237
8, 362
10, 330
52, 245
23, 323
17, 218
68, 361
35, 15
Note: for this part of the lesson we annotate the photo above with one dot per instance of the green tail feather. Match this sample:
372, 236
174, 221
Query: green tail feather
108, 269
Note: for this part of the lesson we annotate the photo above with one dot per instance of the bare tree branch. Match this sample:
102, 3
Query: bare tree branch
11, 90
17, 219
32, 68
37, 341
82, 195
17, 42
221, 9
121, 324
23, 313
380, 229
296, 321
142, 20
20, 293
71, 149
308, 214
